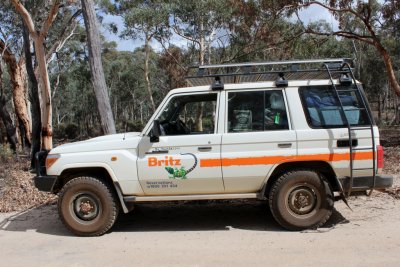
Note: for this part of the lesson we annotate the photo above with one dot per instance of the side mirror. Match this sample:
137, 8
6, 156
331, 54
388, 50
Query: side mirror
155, 132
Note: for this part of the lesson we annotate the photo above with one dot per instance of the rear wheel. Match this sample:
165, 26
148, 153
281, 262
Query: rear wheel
301, 199
87, 206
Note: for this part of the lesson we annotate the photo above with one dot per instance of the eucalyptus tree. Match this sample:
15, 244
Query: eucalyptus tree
366, 22
39, 34
173, 62
260, 30
10, 53
124, 73
146, 20
316, 46
96, 67
201, 23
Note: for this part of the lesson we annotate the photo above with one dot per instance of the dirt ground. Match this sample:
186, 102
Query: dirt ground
217, 234
226, 233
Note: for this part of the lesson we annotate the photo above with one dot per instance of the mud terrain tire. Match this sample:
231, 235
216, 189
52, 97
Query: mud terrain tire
87, 206
301, 199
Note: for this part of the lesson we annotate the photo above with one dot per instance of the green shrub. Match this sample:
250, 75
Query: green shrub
6, 153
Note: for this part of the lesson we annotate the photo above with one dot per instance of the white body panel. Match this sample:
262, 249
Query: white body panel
156, 180
98, 152
246, 164
248, 157
232, 163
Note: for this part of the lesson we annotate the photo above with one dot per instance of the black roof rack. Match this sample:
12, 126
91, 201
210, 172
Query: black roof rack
268, 71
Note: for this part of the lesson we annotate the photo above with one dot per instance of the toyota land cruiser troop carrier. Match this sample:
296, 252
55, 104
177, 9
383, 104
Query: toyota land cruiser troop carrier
294, 133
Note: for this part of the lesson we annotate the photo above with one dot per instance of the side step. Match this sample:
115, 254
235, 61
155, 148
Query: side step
189, 197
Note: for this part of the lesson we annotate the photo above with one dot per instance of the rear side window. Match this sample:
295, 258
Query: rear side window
322, 107
256, 111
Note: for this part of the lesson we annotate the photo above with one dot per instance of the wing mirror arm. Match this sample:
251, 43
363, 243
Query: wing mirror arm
155, 132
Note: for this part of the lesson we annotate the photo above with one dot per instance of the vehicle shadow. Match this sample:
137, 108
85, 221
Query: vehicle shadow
167, 216
43, 219
199, 216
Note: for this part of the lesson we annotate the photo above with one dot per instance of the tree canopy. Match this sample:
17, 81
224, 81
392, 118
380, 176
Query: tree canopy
171, 36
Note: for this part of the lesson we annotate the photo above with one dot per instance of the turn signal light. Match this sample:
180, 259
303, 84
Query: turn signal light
51, 159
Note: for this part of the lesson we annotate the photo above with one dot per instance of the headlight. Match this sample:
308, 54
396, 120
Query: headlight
51, 159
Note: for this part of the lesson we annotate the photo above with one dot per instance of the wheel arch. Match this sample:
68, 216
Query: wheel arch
100, 173
322, 167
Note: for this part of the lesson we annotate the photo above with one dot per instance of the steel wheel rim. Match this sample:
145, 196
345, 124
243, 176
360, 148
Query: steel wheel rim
85, 207
302, 200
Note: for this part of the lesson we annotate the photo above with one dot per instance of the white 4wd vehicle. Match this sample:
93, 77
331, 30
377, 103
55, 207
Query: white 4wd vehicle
277, 132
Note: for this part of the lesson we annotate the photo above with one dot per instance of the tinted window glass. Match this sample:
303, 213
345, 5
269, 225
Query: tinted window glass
323, 110
256, 111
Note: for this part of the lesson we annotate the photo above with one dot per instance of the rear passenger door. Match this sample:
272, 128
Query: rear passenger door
257, 136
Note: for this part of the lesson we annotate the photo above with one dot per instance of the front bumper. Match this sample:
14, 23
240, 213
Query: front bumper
42, 181
366, 182
45, 183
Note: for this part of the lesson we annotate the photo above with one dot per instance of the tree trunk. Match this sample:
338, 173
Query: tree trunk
34, 98
396, 110
202, 43
389, 68
200, 107
42, 73
44, 94
146, 71
96, 67
199, 117
20, 101
17, 77
380, 110
6, 118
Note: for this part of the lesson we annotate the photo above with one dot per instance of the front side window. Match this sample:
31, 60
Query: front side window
256, 111
323, 110
189, 114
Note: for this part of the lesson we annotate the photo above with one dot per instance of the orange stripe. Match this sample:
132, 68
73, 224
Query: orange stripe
278, 159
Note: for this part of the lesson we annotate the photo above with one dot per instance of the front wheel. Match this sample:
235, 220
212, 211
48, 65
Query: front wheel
301, 199
87, 206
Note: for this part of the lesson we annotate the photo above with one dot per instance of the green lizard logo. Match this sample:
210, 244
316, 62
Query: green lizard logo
181, 173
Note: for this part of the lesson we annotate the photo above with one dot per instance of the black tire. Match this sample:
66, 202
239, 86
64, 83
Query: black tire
301, 199
87, 206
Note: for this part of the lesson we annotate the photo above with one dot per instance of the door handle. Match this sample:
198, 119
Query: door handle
158, 152
346, 142
285, 145
204, 148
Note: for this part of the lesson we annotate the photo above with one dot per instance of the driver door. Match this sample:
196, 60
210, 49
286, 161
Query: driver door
172, 165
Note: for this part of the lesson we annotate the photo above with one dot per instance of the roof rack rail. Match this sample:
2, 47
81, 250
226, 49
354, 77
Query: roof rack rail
312, 69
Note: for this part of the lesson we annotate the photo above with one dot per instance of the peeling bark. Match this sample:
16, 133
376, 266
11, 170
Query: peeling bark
45, 95
17, 76
42, 73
